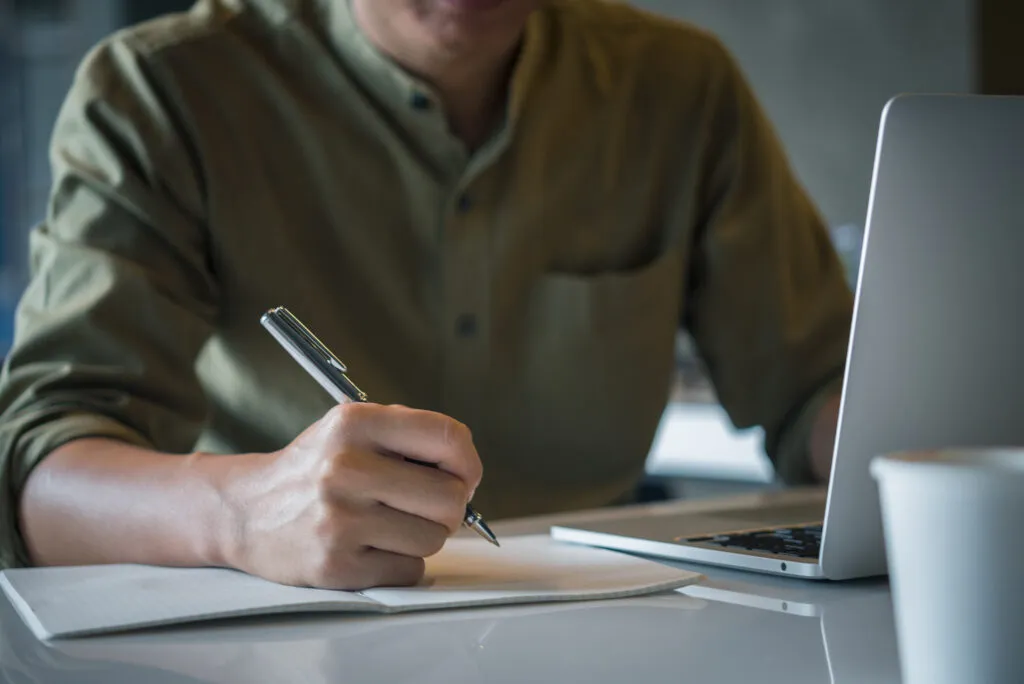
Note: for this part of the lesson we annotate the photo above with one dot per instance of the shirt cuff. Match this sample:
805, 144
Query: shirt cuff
35, 444
793, 453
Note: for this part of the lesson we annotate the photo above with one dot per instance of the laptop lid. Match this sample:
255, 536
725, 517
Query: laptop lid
936, 355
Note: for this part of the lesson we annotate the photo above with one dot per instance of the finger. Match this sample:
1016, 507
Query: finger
376, 568
427, 493
399, 532
415, 434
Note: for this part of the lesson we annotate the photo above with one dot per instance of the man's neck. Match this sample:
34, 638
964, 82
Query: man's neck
475, 98
473, 87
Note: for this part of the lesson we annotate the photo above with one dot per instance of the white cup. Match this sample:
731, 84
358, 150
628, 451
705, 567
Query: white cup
954, 536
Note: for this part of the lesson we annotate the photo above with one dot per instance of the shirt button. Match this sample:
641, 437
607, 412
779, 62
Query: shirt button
465, 325
464, 203
420, 101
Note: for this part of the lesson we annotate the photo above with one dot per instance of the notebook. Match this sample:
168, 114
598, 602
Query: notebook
88, 600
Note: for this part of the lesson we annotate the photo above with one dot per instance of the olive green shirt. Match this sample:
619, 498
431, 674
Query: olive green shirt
256, 153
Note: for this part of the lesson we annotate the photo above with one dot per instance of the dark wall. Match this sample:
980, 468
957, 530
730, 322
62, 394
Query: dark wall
140, 10
1000, 54
824, 70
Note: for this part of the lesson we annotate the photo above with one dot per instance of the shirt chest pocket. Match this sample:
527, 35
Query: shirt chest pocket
595, 366
608, 305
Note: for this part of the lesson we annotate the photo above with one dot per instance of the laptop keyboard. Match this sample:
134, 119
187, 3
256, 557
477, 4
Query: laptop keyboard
803, 541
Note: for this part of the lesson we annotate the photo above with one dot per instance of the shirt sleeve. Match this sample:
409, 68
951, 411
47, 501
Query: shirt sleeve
769, 304
121, 296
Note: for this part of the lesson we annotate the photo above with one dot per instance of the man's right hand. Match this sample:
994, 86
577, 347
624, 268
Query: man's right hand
341, 508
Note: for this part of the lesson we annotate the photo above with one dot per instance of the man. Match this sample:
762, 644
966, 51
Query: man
498, 212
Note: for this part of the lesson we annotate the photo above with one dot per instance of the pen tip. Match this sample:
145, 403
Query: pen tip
484, 531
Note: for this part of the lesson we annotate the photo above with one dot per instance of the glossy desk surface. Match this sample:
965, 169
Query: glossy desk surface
734, 627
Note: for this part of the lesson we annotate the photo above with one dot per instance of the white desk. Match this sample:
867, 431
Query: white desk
736, 627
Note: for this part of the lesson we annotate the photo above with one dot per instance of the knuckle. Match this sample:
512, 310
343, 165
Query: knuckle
345, 469
459, 437
336, 418
341, 419
324, 484
325, 526
330, 471
457, 434
433, 540
452, 514
325, 477
476, 472
335, 530
343, 461
456, 493
446, 503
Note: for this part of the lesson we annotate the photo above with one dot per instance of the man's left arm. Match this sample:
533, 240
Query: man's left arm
804, 451
768, 303
823, 437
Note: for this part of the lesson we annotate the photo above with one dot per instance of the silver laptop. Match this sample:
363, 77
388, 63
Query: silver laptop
936, 355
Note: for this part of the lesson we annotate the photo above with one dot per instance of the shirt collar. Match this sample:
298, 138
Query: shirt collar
399, 90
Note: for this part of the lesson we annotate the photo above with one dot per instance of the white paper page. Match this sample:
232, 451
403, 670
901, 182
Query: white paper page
531, 568
103, 598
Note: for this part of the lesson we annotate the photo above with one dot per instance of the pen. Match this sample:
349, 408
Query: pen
328, 370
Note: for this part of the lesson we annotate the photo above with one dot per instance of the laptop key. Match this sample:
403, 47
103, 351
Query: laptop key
801, 542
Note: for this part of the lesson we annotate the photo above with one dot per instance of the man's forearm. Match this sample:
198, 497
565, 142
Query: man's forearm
103, 501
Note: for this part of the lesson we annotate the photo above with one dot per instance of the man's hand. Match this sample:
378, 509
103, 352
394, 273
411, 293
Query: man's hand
822, 438
340, 507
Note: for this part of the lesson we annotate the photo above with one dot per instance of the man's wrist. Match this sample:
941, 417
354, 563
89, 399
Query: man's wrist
802, 452
223, 480
822, 438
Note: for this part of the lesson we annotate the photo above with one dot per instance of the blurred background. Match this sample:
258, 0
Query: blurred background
822, 68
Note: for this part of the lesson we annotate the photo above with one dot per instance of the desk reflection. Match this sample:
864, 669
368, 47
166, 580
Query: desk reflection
666, 638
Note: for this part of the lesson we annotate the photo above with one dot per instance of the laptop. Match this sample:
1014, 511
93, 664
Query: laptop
936, 355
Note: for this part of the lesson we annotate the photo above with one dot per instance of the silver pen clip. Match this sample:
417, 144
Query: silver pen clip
312, 354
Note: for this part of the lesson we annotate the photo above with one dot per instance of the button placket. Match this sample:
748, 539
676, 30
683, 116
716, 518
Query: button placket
426, 117
465, 296
420, 102
465, 325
